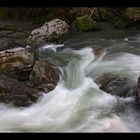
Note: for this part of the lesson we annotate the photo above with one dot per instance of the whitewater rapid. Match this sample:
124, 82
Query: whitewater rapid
76, 104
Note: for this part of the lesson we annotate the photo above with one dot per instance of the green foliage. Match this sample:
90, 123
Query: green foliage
130, 12
34, 14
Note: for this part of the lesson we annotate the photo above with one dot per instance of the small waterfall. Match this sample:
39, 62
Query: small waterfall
75, 70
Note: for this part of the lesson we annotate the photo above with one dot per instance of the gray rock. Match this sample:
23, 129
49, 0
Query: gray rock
54, 31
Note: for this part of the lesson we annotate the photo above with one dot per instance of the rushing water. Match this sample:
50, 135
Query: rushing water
77, 104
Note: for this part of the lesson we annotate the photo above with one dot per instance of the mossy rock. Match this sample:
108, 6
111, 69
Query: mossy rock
85, 23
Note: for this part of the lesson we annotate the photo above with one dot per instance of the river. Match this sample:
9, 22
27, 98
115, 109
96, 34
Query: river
77, 104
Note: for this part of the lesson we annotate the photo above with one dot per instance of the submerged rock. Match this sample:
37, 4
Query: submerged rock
16, 93
54, 31
44, 76
117, 85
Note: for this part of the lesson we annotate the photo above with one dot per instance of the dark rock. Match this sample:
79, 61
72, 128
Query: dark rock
98, 52
23, 74
138, 88
7, 26
44, 75
16, 93
46, 87
117, 85
4, 33
16, 35
6, 43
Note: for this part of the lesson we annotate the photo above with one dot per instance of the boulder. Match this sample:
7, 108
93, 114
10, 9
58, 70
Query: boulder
117, 85
16, 93
16, 62
54, 31
44, 76
85, 23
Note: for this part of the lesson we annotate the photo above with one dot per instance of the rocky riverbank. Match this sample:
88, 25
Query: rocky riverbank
22, 77
21, 70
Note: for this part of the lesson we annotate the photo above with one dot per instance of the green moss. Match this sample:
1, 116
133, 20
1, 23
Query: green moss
85, 23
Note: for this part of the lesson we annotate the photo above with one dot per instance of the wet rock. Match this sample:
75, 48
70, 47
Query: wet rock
16, 35
4, 33
7, 26
99, 52
16, 62
138, 88
54, 31
16, 93
85, 23
44, 76
117, 85
7, 43
46, 87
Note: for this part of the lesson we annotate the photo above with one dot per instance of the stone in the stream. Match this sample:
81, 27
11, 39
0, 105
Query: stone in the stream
98, 52
54, 31
44, 76
16, 62
117, 85
16, 93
